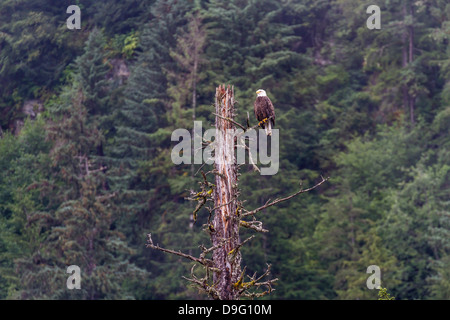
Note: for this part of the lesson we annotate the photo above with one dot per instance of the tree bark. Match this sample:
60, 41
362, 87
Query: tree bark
226, 259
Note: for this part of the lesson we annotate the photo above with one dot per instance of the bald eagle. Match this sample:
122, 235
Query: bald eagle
264, 110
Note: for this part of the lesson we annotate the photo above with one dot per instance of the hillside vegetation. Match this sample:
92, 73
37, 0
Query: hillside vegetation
86, 117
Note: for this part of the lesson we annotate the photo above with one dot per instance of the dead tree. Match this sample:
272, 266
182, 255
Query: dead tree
225, 237
224, 278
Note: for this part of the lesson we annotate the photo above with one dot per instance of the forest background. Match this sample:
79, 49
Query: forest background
86, 118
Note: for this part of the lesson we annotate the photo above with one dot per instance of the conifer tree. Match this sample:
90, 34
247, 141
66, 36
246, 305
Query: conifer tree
138, 156
143, 111
91, 70
183, 80
34, 50
80, 231
24, 161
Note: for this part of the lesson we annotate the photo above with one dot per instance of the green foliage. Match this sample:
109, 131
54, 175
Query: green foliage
124, 45
384, 295
84, 180
35, 48
130, 43
23, 160
91, 70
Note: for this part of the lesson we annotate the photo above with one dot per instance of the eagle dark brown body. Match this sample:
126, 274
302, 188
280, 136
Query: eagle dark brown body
264, 110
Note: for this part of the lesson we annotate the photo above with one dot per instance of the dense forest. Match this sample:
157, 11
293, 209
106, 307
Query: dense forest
86, 117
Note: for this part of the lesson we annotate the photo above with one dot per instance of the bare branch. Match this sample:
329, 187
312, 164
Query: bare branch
240, 125
255, 225
202, 261
205, 251
276, 201
258, 125
201, 197
200, 168
254, 282
234, 252
252, 162
202, 283
223, 205
231, 120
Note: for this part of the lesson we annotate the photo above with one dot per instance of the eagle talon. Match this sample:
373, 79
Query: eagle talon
263, 121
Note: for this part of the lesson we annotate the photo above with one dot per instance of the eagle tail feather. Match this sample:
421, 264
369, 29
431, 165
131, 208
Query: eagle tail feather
268, 128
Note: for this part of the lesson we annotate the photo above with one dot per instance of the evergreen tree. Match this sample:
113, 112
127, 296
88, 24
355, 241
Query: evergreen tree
24, 161
90, 176
91, 70
81, 228
35, 47
138, 157
417, 225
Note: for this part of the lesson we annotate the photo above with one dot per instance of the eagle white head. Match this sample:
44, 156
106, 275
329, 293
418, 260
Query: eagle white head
261, 93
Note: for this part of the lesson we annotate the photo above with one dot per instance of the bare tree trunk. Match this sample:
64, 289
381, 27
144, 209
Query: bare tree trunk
405, 59
226, 222
412, 99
